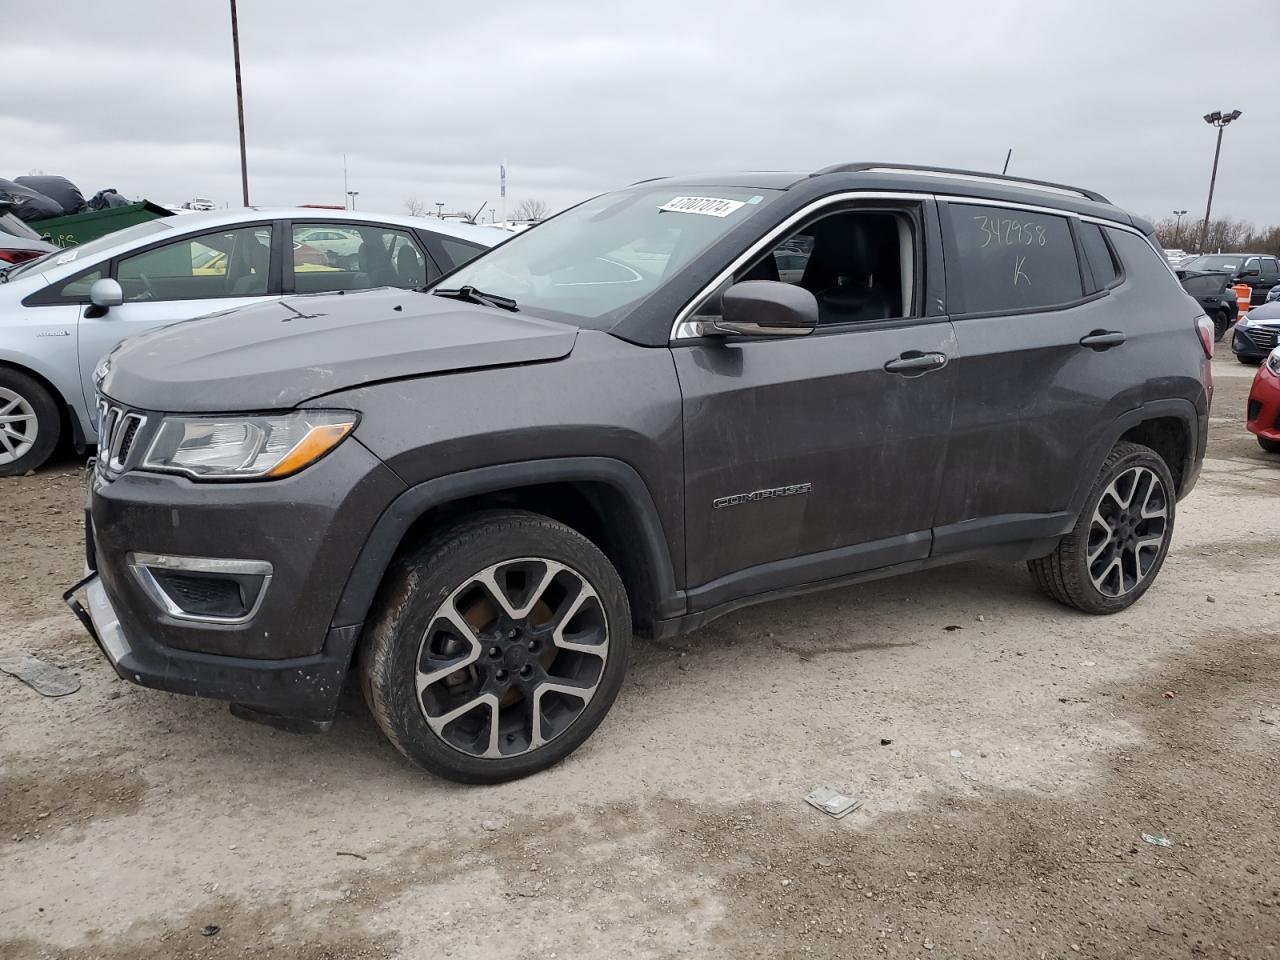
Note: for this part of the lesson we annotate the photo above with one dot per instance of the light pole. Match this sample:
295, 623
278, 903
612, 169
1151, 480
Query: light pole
1220, 120
353, 194
1177, 230
440, 209
235, 51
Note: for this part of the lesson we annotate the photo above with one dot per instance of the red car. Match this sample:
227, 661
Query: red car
1264, 404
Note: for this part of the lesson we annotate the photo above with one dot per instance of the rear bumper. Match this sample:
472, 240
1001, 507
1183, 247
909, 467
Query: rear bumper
305, 688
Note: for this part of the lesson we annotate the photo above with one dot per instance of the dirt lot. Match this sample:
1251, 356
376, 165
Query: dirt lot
130, 820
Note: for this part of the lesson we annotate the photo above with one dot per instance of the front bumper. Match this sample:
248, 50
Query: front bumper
288, 658
1254, 343
304, 688
1263, 411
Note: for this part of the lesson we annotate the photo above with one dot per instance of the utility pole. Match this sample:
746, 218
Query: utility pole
345, 191
1177, 230
353, 194
1220, 120
235, 48
440, 209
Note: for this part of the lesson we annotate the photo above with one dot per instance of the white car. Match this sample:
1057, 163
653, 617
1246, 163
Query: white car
62, 313
342, 243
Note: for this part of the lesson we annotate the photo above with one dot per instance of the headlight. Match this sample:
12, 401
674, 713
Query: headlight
1242, 322
246, 447
1273, 361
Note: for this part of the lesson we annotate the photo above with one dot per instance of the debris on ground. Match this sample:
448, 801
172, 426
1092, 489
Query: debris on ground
952, 626
44, 678
210, 930
493, 825
1157, 841
885, 741
1168, 694
834, 803
956, 754
348, 853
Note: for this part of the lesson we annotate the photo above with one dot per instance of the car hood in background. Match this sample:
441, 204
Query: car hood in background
275, 355
1268, 313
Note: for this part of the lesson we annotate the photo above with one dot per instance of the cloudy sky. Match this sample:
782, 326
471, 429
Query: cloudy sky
426, 99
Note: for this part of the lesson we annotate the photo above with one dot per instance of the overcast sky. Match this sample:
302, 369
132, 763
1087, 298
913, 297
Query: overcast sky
426, 99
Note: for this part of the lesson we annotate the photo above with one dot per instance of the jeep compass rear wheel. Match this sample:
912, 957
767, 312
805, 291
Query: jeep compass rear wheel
1113, 553
498, 647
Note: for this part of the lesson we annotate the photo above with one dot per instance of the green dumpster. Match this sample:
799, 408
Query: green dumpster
82, 227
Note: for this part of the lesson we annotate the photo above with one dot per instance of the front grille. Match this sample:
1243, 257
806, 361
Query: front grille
1264, 337
118, 430
202, 595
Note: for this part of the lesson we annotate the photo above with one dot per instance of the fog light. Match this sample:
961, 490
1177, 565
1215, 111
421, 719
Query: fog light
203, 589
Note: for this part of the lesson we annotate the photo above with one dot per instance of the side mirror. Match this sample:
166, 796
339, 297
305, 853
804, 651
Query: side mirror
105, 293
1255, 272
766, 308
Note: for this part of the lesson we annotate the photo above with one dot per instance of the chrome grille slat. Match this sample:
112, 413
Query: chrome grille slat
118, 429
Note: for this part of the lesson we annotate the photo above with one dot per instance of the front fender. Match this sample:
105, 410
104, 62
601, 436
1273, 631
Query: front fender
413, 503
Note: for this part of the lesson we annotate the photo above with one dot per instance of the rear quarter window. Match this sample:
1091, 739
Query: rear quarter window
1001, 259
1097, 254
1141, 262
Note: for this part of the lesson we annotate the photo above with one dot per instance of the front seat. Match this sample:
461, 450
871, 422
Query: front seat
845, 272
256, 259
409, 268
375, 263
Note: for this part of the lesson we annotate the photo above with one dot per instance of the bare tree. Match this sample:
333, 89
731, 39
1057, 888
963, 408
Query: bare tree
531, 209
415, 207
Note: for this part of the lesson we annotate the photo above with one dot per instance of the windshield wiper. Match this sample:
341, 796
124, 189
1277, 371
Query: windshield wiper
472, 295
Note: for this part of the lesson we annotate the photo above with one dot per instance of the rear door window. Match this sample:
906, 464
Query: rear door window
1001, 259
329, 256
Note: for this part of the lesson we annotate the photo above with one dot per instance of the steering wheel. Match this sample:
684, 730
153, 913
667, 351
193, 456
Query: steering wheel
147, 289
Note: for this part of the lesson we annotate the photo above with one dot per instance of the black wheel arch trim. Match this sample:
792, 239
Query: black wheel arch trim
387, 534
1179, 408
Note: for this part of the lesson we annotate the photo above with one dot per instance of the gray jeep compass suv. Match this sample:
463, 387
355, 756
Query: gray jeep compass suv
661, 405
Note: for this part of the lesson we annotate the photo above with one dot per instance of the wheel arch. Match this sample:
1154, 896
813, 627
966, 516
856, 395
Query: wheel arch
1170, 427
603, 499
68, 420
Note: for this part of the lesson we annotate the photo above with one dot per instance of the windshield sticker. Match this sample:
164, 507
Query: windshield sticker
67, 257
756, 199
707, 206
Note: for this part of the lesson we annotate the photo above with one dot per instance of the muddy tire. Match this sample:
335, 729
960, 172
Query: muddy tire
1119, 542
29, 423
496, 648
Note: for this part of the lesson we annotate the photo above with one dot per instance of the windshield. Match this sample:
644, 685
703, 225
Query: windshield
1221, 261
86, 251
590, 263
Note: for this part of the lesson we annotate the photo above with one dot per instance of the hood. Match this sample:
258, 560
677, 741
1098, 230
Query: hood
1268, 313
275, 355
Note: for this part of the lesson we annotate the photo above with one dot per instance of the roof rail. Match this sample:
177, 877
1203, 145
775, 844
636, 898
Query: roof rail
965, 174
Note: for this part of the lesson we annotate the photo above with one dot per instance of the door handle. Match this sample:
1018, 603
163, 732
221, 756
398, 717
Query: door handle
1102, 339
913, 363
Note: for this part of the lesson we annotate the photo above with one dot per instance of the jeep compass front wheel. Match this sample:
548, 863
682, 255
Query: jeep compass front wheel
1118, 544
498, 647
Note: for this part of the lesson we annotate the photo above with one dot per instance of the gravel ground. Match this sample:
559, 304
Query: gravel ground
132, 820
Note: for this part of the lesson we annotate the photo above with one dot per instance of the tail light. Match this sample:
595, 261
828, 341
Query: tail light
1204, 326
19, 256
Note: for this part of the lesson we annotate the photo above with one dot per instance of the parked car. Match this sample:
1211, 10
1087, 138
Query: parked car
1257, 333
18, 242
61, 314
1273, 294
1260, 271
1216, 296
1263, 414
475, 495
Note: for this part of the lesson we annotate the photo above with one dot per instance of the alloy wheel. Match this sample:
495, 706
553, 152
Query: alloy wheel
512, 657
1128, 531
18, 426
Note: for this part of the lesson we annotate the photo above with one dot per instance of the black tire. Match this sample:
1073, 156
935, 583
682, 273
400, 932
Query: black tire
1271, 446
1221, 324
1065, 574
400, 641
30, 396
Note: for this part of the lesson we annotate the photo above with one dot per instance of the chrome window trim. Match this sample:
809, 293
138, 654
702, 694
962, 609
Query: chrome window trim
140, 564
684, 329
